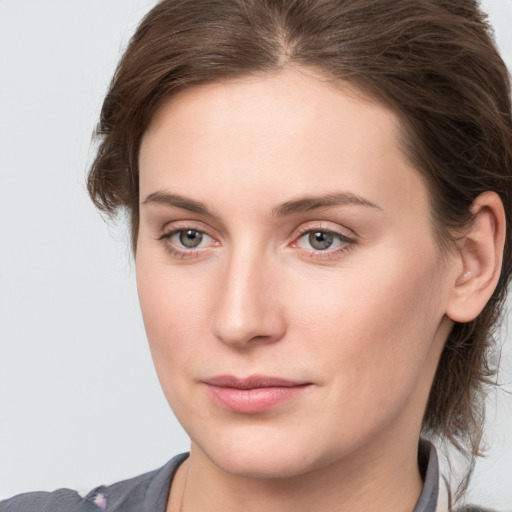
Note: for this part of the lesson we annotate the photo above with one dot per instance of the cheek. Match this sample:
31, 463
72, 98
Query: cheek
172, 309
374, 324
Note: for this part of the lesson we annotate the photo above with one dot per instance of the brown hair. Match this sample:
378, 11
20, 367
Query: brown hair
432, 61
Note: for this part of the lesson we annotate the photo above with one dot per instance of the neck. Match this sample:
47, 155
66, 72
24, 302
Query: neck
360, 482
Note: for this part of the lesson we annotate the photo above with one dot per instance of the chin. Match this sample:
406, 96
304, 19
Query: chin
261, 464
264, 453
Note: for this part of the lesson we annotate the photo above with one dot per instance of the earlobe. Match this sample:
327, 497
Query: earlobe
480, 255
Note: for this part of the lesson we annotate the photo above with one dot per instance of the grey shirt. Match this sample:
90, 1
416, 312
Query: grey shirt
148, 492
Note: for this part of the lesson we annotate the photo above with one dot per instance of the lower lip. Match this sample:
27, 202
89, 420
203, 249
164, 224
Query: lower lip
254, 400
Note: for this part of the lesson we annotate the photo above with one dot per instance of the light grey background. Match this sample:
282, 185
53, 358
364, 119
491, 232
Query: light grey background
79, 402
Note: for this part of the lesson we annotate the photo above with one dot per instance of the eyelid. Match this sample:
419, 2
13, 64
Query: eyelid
347, 241
181, 252
327, 227
177, 225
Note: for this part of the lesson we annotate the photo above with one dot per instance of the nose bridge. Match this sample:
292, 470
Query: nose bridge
247, 309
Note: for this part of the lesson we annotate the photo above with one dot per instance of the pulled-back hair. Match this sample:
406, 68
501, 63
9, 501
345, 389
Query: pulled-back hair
433, 62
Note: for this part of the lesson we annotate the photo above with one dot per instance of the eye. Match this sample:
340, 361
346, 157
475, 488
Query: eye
320, 240
190, 238
323, 243
186, 242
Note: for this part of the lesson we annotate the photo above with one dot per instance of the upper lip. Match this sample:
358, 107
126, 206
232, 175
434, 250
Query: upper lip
251, 382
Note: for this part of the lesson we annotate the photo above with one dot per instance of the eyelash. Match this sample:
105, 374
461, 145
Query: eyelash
346, 243
184, 253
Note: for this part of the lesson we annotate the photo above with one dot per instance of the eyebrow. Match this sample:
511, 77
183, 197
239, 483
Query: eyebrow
292, 207
168, 199
307, 204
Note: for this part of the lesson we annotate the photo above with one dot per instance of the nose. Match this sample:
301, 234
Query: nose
247, 310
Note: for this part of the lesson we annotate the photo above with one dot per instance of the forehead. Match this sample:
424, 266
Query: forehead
290, 101
274, 134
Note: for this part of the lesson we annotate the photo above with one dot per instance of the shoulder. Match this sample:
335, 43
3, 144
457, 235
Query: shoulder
148, 491
473, 508
57, 501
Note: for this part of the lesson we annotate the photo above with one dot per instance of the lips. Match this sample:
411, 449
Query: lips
254, 394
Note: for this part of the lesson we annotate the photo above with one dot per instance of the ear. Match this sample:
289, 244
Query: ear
479, 259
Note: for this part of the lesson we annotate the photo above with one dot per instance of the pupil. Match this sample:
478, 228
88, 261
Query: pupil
320, 240
191, 238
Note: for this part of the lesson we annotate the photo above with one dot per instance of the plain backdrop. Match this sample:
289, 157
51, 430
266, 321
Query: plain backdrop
80, 404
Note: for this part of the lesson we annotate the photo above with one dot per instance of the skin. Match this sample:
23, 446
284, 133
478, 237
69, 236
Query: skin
362, 322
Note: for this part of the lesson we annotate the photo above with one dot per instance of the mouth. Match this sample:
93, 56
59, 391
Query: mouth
254, 394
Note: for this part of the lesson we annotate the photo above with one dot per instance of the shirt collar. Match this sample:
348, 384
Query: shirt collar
431, 500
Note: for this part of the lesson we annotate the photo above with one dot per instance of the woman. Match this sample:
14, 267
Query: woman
319, 194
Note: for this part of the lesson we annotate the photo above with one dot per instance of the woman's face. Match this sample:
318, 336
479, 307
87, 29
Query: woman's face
292, 290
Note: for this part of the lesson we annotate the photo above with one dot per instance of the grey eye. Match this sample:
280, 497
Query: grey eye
190, 238
320, 240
